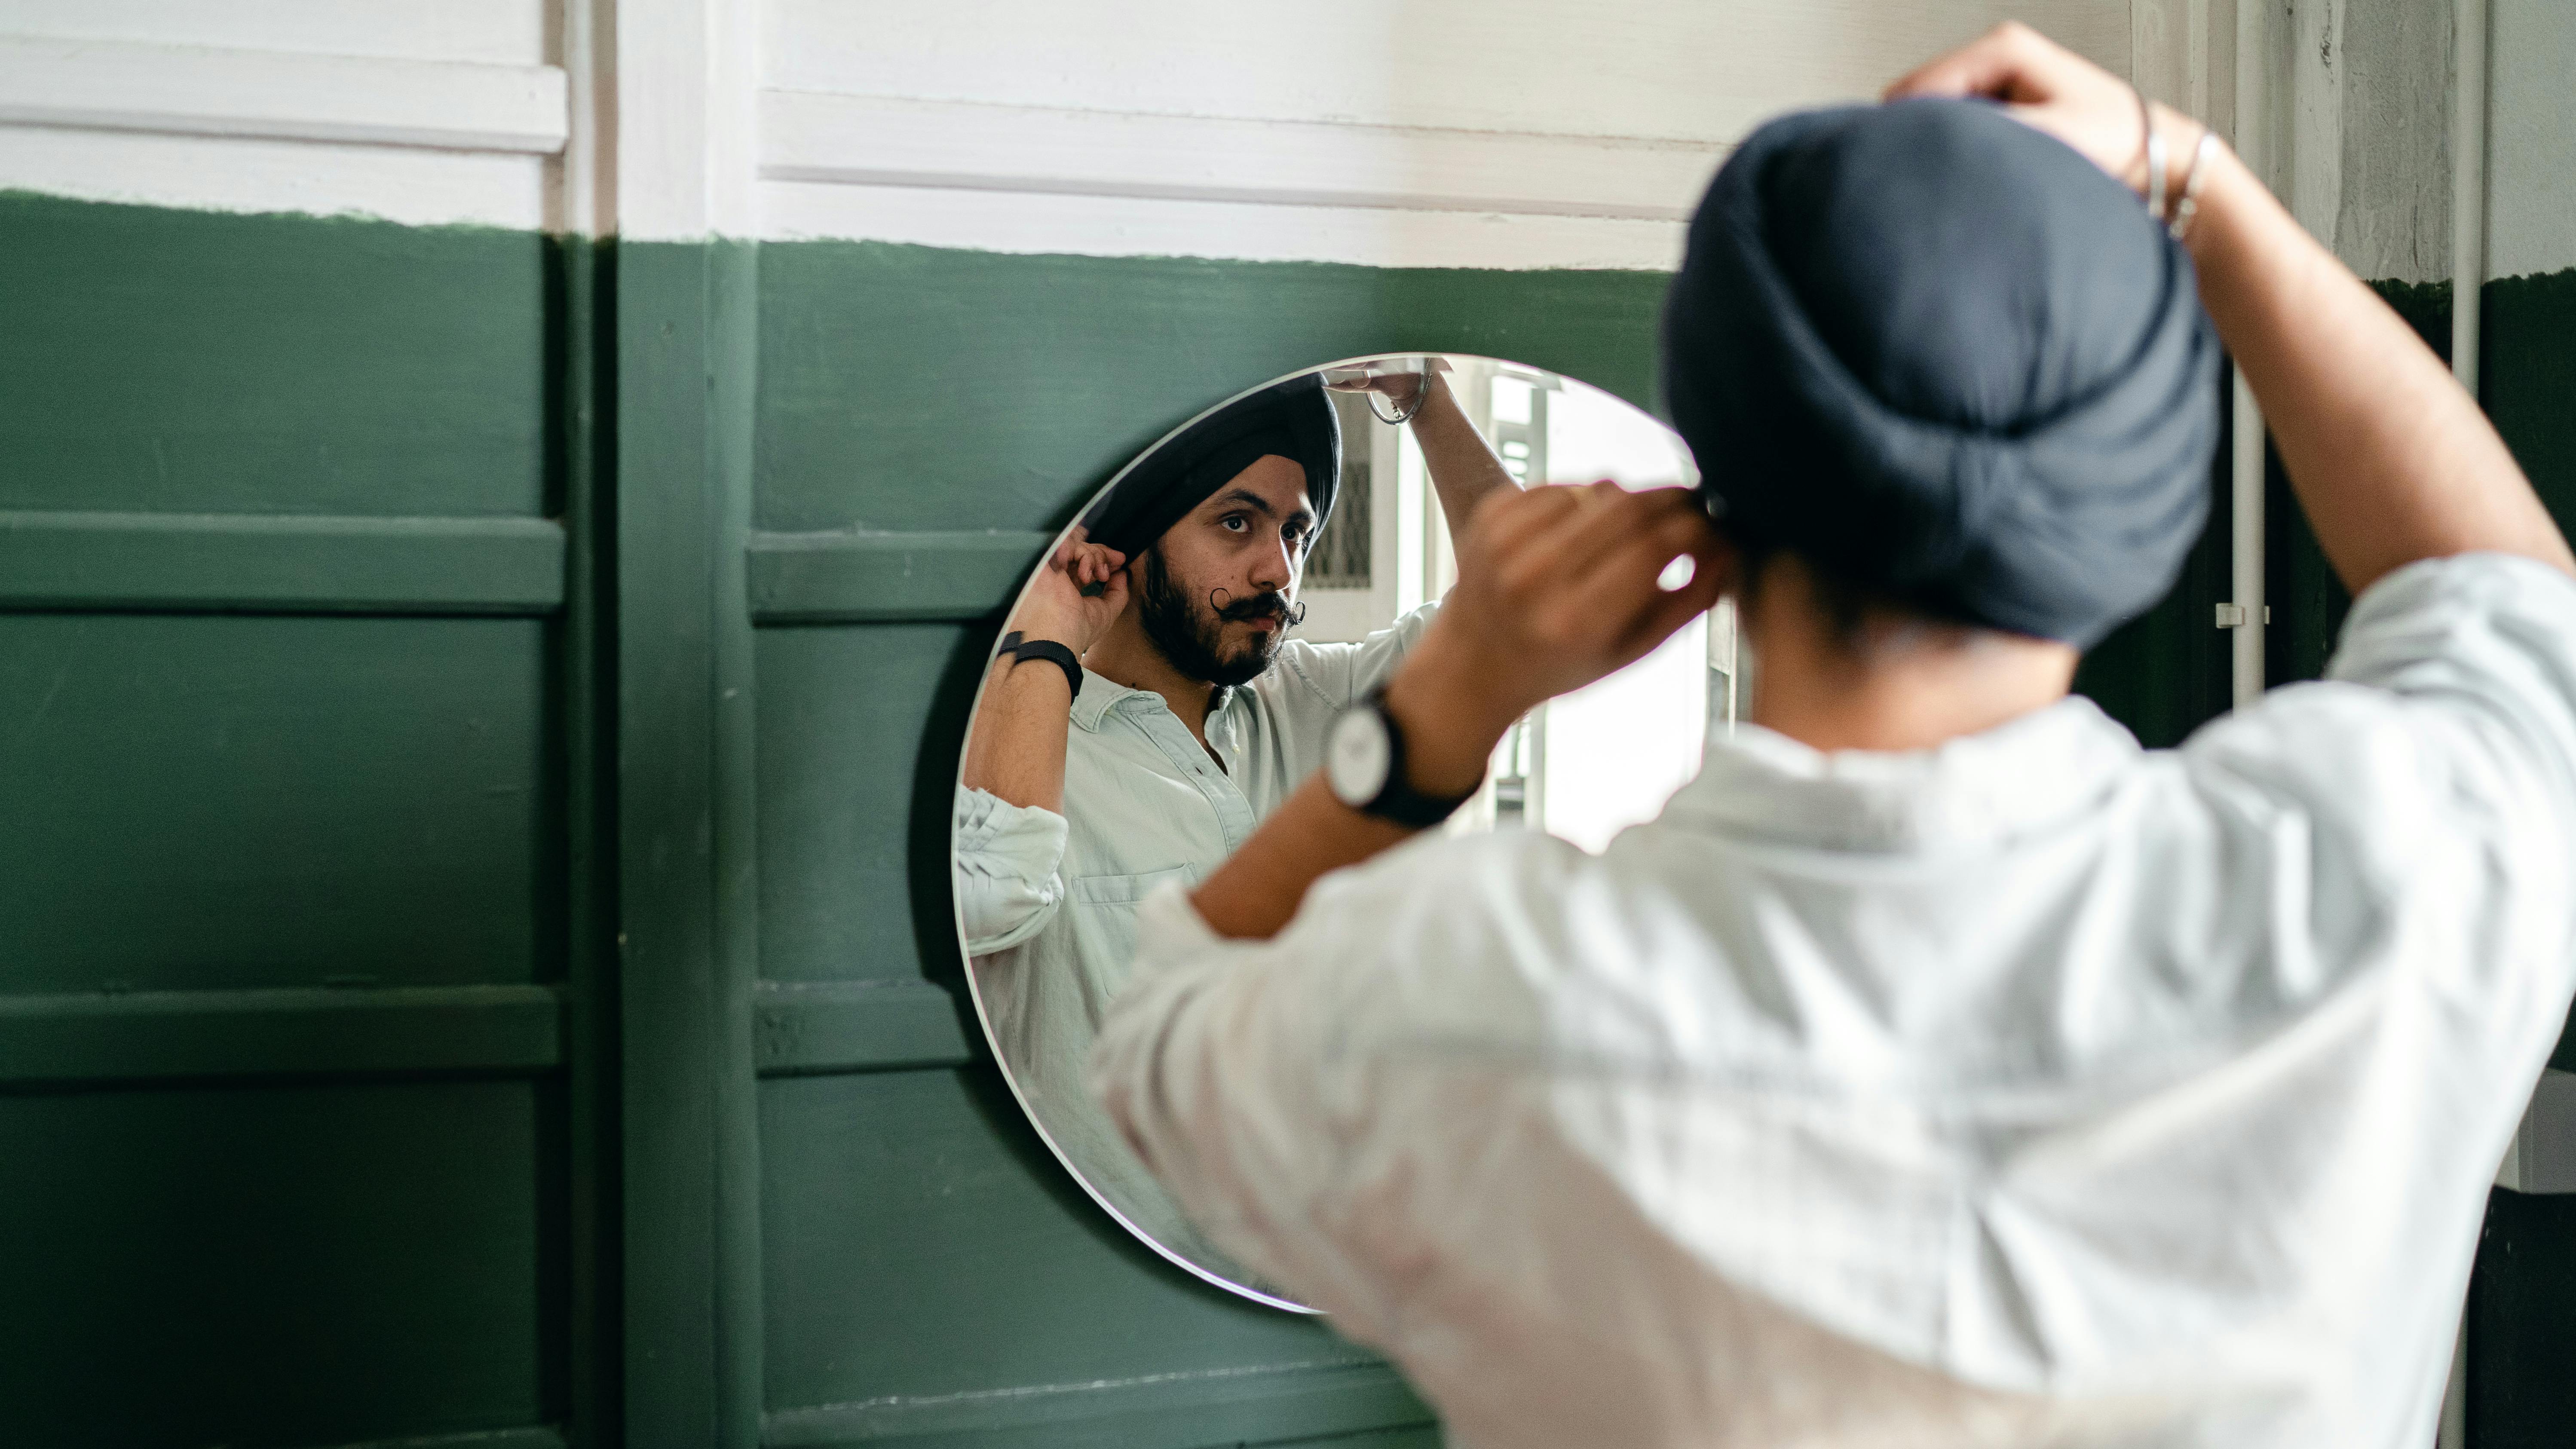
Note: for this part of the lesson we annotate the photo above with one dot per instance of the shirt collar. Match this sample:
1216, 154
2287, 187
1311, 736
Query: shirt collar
1099, 696
2022, 776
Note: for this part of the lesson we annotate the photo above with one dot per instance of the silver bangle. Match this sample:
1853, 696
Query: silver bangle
1421, 395
2188, 204
2155, 146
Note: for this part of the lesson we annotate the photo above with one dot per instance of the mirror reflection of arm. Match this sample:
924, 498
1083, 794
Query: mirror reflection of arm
1557, 587
1015, 750
1015, 746
1008, 869
1464, 470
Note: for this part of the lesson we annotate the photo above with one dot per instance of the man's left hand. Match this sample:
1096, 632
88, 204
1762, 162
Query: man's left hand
1557, 587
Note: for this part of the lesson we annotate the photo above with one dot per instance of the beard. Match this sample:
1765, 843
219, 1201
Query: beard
1191, 633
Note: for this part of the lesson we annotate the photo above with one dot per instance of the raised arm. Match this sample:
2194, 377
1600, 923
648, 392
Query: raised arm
2391, 460
1462, 465
1015, 748
1557, 587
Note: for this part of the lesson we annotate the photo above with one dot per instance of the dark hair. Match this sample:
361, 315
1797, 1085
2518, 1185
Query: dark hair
1847, 606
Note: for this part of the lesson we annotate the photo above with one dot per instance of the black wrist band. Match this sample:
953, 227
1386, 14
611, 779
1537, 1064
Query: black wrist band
1047, 649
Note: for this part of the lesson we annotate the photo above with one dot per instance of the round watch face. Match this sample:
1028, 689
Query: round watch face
1355, 760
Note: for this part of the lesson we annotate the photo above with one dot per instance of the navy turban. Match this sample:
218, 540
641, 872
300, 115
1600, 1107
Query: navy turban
1293, 419
1950, 362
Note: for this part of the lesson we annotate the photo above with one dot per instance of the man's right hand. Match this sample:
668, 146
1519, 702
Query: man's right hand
2052, 89
2391, 460
1056, 606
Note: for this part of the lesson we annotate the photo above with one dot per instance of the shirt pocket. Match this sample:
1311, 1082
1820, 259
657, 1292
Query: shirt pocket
1100, 911
1122, 890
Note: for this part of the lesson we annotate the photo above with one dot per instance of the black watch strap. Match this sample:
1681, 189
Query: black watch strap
1397, 800
1047, 649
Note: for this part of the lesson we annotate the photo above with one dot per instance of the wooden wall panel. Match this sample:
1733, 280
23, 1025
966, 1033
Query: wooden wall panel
228, 801
931, 1272
912, 388
847, 757
299, 998
276, 1266
189, 362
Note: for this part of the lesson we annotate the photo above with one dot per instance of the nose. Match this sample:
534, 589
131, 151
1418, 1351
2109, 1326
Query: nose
1276, 567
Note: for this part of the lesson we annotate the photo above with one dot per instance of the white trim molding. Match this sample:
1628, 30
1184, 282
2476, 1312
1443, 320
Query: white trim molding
810, 136
271, 95
685, 111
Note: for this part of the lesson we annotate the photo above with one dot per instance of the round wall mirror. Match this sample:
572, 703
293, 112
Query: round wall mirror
1170, 671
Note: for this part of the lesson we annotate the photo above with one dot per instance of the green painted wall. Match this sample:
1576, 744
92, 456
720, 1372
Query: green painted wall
476, 717
296, 1124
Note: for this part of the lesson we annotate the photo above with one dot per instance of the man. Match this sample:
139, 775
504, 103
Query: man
1195, 716
1941, 1068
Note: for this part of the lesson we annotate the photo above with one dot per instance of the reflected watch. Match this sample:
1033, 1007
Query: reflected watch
1364, 765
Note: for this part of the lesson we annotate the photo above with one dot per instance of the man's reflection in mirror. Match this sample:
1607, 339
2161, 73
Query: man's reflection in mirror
1150, 711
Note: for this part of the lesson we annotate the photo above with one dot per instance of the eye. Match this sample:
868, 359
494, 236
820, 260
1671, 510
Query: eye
1233, 523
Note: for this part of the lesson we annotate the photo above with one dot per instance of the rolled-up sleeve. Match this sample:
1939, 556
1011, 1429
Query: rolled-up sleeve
1008, 869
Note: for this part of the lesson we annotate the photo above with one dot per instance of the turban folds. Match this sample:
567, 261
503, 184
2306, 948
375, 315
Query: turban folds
1293, 419
1949, 361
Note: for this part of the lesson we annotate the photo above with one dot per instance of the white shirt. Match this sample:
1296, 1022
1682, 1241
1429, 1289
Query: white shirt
1048, 901
2034, 1089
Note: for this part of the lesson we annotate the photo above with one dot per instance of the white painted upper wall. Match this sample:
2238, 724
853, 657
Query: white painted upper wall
423, 111
1508, 133
1512, 133
2531, 137
495, 32
1677, 70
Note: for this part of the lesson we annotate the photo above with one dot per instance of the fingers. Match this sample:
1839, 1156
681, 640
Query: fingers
1088, 564
1670, 611
1113, 592
1627, 579
2002, 63
1509, 522
1557, 530
1541, 544
1612, 608
1612, 520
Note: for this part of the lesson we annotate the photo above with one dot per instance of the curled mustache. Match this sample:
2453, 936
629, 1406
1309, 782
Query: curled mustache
1267, 605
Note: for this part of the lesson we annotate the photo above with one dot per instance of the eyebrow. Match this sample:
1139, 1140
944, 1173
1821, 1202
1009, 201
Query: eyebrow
1261, 505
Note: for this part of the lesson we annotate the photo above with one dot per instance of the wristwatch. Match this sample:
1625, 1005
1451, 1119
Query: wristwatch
1364, 765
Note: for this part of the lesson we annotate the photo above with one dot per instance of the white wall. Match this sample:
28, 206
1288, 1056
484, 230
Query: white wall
1510, 133
2531, 137
422, 112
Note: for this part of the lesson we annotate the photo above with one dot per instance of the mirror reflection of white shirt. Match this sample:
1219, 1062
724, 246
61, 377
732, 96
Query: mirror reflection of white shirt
1048, 901
2032, 1089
